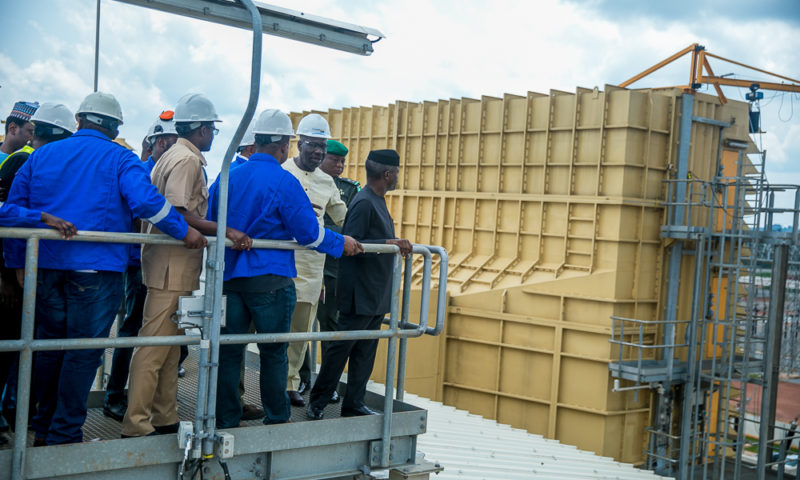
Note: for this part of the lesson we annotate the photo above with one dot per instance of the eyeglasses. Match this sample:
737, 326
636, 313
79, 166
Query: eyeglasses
214, 130
314, 146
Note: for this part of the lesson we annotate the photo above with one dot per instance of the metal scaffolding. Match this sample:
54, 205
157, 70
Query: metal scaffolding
378, 442
742, 327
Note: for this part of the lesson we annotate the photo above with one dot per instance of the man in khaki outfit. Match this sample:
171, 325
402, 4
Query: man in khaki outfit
170, 273
313, 131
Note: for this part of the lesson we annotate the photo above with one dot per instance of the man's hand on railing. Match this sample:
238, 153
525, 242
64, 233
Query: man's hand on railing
240, 239
405, 245
194, 239
66, 228
352, 246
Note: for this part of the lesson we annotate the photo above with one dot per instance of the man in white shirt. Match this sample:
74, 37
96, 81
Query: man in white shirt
313, 131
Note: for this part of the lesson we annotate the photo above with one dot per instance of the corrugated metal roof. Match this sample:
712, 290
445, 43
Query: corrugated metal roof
471, 447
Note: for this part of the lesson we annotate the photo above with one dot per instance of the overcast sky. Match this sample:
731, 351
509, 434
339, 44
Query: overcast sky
434, 49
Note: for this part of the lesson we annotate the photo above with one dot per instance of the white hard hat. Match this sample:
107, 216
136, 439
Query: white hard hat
195, 107
314, 125
101, 104
161, 127
55, 114
273, 122
249, 137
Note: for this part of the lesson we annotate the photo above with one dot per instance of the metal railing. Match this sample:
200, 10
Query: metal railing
641, 349
205, 437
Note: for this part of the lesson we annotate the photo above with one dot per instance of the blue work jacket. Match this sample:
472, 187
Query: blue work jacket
265, 201
97, 185
135, 257
237, 161
14, 216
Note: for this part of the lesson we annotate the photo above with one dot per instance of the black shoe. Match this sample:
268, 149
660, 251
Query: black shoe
4, 439
181, 371
114, 410
39, 442
315, 413
358, 411
296, 399
4, 424
166, 429
334, 397
252, 412
302, 388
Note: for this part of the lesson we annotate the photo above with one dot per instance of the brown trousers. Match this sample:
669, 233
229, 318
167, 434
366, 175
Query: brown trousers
153, 383
302, 321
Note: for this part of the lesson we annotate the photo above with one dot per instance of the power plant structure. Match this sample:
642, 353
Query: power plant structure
600, 267
607, 256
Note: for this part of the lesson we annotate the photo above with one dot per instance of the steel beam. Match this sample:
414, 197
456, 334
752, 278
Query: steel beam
277, 21
772, 353
25, 359
339, 445
674, 271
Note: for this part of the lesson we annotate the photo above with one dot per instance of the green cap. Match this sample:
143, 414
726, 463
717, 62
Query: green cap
336, 148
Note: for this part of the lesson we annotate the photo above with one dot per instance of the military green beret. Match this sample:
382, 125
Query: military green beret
336, 148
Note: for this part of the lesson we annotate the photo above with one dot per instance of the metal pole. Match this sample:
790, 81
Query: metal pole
441, 300
796, 217
25, 359
204, 359
785, 444
674, 272
96, 45
770, 208
698, 310
222, 219
772, 357
391, 351
401, 354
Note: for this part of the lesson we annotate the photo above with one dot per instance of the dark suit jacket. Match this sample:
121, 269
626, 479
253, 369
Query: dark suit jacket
364, 285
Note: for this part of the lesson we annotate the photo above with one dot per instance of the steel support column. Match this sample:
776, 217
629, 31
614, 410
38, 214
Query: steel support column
25, 359
222, 220
772, 357
674, 274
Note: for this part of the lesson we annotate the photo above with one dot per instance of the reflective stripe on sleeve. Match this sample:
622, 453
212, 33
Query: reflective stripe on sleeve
161, 215
320, 237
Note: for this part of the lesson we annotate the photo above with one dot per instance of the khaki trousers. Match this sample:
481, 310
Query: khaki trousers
153, 383
302, 321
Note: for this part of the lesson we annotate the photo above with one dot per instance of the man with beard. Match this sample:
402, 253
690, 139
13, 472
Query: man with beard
313, 131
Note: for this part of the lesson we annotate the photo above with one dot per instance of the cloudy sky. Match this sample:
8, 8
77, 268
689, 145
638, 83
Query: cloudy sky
434, 49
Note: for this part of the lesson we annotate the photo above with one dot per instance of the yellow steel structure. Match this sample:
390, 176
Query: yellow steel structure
551, 207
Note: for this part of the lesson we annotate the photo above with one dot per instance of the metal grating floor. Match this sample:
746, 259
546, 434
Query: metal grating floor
99, 427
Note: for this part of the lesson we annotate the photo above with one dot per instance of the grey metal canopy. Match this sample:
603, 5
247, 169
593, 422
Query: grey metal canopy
277, 21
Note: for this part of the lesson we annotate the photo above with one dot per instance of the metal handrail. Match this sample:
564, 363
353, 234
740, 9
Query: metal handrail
27, 344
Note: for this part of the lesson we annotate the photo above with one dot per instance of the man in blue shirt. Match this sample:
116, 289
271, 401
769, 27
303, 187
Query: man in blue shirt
160, 137
265, 201
100, 186
14, 216
246, 148
51, 122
